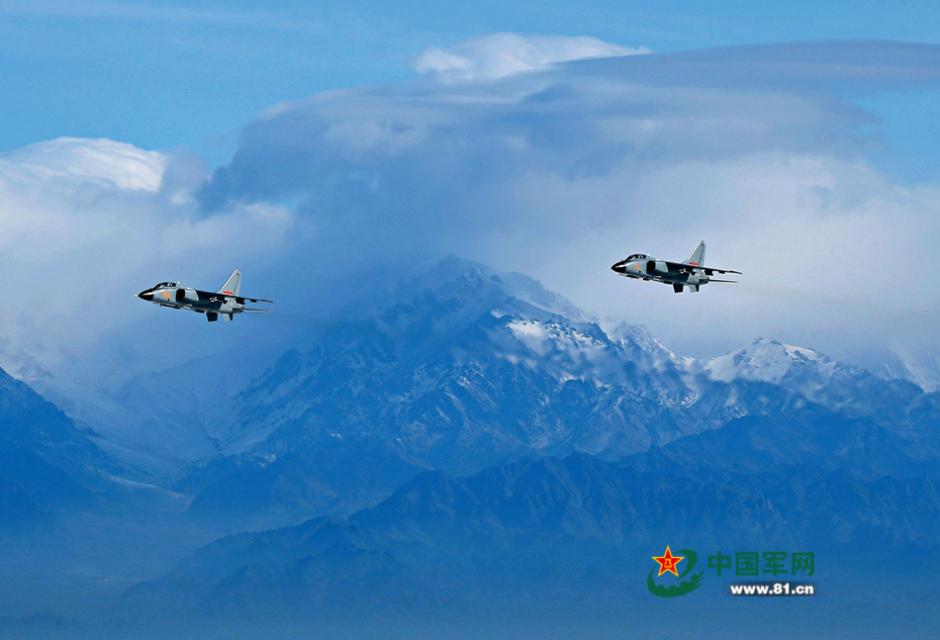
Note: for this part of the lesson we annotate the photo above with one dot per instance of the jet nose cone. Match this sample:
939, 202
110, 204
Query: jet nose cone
619, 267
145, 295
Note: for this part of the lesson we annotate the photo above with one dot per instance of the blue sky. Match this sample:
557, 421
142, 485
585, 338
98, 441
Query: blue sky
167, 74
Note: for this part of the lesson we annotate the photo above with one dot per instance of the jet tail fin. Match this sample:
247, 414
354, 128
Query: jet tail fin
233, 285
698, 256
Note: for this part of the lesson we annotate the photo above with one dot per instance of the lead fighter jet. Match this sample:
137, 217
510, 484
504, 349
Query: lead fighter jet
225, 302
689, 274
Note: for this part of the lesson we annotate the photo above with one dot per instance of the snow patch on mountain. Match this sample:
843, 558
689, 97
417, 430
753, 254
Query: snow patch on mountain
640, 340
542, 337
769, 361
526, 329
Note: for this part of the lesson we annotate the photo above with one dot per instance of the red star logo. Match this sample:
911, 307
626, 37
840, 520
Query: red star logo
667, 562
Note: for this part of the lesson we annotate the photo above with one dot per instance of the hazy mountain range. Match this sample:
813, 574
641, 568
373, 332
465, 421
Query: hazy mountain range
468, 369
474, 437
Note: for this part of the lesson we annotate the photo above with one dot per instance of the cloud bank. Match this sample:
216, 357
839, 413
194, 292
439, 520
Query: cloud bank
84, 224
530, 154
560, 171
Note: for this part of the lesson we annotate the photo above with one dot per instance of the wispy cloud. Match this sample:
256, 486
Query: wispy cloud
504, 54
818, 68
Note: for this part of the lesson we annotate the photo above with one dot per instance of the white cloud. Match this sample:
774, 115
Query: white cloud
85, 224
562, 171
504, 54
826, 245
556, 172
102, 161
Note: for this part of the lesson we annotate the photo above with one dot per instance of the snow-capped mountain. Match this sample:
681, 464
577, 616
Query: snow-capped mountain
457, 369
473, 408
465, 368
459, 374
771, 361
814, 376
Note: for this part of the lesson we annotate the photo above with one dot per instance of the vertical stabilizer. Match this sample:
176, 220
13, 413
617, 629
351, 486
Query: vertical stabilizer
233, 285
697, 258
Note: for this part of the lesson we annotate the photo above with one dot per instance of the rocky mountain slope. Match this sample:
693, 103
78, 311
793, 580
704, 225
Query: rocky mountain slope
466, 368
849, 489
47, 464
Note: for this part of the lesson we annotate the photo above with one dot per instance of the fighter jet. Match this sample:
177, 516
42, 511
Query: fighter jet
680, 275
225, 302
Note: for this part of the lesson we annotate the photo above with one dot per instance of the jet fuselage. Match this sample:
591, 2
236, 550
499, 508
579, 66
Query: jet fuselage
177, 296
225, 302
691, 273
644, 267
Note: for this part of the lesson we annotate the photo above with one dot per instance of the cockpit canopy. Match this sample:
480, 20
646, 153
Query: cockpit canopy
164, 285
637, 256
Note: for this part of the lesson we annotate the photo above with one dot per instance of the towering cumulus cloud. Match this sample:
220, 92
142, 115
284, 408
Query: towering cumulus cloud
562, 169
86, 223
549, 155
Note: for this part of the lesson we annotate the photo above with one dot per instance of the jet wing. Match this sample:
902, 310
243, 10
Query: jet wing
691, 268
214, 296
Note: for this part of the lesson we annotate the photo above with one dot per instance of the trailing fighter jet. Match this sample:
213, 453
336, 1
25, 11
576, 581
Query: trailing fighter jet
689, 274
225, 302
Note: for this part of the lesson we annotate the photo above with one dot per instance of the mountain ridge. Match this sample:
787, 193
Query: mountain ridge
457, 372
845, 488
